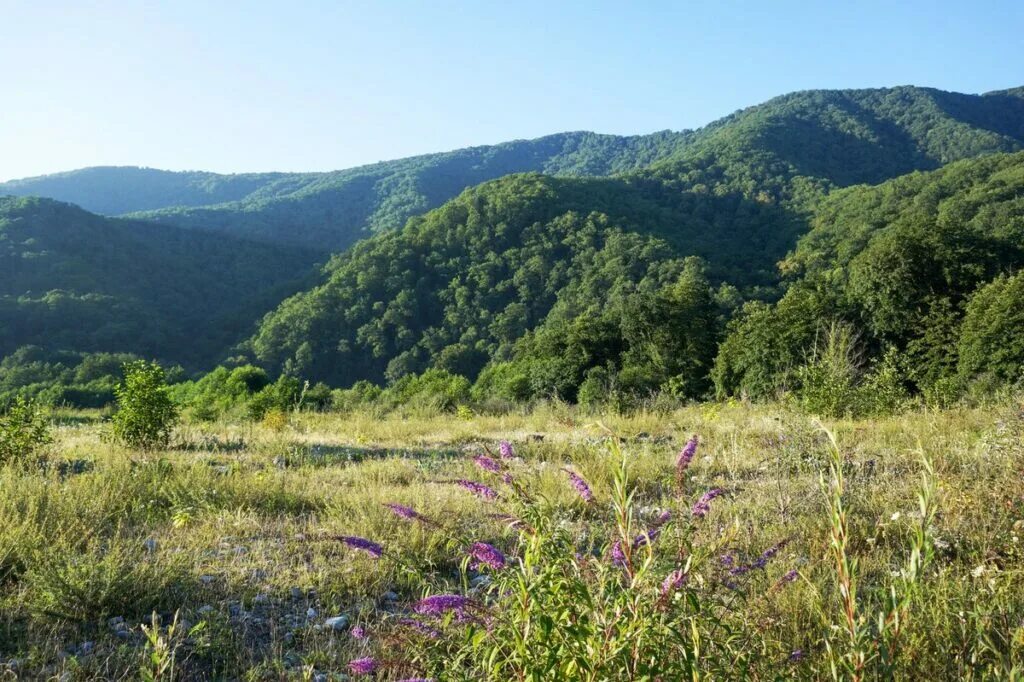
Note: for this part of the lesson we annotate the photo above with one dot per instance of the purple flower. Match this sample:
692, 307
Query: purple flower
483, 553
507, 478
440, 604
478, 489
505, 450
487, 464
581, 486
358, 632
406, 512
618, 556
673, 581
663, 518
702, 506
686, 455
371, 548
727, 561
768, 555
362, 666
422, 627
790, 576
796, 656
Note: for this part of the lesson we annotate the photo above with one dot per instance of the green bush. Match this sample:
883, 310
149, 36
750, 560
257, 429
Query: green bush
146, 415
24, 431
828, 380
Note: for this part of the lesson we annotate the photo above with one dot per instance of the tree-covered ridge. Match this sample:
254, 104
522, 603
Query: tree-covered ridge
115, 190
333, 210
789, 147
461, 285
74, 281
901, 263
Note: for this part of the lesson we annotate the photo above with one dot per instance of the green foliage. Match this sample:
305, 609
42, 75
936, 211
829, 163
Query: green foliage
74, 281
145, 415
435, 388
992, 336
24, 432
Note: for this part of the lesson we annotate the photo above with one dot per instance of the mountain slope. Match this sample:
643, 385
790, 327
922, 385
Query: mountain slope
831, 137
115, 190
461, 284
72, 280
900, 262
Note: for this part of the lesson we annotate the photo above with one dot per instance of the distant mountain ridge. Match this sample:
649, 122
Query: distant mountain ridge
835, 137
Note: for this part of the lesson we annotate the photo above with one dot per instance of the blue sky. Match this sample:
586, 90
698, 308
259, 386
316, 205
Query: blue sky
248, 86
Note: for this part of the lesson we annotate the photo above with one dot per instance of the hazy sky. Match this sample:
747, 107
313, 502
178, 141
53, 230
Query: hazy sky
247, 86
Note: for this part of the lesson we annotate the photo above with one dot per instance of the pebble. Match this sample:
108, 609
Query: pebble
337, 623
206, 579
311, 612
390, 596
150, 545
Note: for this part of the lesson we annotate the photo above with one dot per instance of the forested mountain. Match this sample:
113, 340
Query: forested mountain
829, 137
115, 190
525, 261
922, 266
72, 280
615, 266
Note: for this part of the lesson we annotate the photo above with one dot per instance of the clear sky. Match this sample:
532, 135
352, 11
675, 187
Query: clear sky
247, 86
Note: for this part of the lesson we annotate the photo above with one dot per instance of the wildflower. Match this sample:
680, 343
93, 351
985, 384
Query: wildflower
505, 450
702, 506
483, 553
796, 656
442, 603
618, 556
478, 489
686, 455
663, 518
768, 554
368, 546
358, 632
673, 581
406, 512
581, 486
362, 666
422, 627
790, 576
507, 478
487, 464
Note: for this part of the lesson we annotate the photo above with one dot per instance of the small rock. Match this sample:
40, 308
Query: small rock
390, 596
205, 610
337, 623
311, 612
206, 579
150, 545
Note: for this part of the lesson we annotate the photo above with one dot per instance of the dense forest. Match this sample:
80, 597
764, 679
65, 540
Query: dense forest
74, 281
830, 245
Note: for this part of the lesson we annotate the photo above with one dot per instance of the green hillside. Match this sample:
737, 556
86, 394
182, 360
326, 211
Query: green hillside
832, 137
900, 263
72, 280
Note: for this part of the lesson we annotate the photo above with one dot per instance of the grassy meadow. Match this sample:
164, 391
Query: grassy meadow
224, 556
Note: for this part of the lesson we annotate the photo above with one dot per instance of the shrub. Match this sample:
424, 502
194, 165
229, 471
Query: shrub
146, 415
24, 432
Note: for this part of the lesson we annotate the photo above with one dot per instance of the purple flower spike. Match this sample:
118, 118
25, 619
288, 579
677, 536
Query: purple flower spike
581, 486
673, 581
507, 478
702, 506
422, 627
478, 489
505, 450
362, 666
618, 556
483, 553
371, 548
439, 604
406, 512
487, 464
358, 632
686, 455
790, 576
